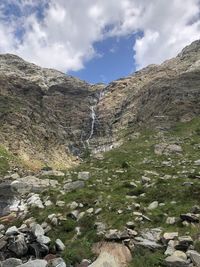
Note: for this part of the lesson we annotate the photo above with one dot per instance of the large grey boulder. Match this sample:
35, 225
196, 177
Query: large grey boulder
32, 184
174, 261
195, 257
167, 149
19, 246
73, 186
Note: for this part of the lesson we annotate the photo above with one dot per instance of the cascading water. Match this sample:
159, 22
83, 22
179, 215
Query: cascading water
93, 115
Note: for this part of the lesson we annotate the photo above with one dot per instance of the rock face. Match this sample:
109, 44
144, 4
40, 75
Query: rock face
47, 116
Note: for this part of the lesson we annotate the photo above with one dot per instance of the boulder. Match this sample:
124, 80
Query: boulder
84, 176
42, 239
167, 149
11, 262
32, 184
18, 246
37, 230
73, 186
170, 236
176, 261
12, 231
189, 217
195, 257
35, 263
141, 242
111, 255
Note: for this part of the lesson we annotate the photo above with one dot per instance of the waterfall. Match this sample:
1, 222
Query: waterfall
93, 116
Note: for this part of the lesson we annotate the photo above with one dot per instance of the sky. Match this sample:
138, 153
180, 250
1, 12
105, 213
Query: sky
101, 40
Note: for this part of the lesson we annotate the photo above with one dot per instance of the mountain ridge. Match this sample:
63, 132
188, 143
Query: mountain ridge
48, 116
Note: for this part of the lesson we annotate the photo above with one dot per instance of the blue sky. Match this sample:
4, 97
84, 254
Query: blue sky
115, 59
101, 40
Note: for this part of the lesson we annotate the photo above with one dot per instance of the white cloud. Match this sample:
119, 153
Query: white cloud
62, 36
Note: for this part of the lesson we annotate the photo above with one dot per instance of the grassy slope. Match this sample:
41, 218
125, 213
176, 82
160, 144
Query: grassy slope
109, 187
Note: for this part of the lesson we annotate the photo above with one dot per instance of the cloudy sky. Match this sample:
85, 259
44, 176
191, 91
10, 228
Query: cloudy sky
97, 40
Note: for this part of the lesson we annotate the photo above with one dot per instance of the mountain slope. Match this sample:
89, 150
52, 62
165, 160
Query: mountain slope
49, 117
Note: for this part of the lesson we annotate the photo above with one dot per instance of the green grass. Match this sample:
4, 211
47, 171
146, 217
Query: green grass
109, 188
146, 258
6, 160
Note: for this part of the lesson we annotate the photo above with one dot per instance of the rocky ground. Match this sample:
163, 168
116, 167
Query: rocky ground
137, 205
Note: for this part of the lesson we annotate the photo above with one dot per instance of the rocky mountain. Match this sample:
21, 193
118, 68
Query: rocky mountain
47, 116
136, 204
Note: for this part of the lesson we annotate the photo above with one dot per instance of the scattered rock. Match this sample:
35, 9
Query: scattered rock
37, 230
19, 246
189, 217
73, 186
111, 254
57, 262
84, 176
11, 262
195, 257
12, 231
153, 205
59, 245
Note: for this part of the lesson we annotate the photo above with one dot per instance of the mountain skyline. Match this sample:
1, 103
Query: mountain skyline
101, 41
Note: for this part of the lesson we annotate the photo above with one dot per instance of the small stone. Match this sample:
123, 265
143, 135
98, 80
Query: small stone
145, 180
153, 205
2, 227
90, 211
73, 205
197, 162
42, 239
170, 236
57, 262
97, 211
59, 244
171, 220
60, 203
48, 203
84, 176
12, 231
130, 225
37, 230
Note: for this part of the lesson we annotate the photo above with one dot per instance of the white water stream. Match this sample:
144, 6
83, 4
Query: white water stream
93, 117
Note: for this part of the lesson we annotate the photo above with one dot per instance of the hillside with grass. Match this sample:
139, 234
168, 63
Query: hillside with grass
96, 175
120, 189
